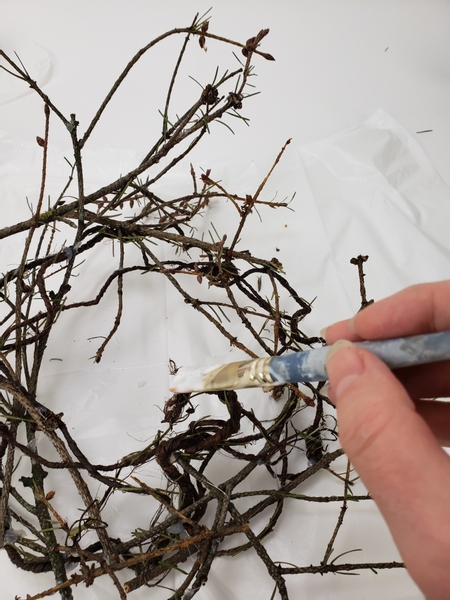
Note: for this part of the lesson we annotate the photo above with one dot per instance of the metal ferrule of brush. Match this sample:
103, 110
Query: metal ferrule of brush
239, 375
259, 371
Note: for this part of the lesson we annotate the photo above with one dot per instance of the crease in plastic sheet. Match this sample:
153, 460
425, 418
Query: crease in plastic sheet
378, 194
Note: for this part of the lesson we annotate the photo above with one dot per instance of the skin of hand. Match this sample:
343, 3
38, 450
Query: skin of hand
393, 438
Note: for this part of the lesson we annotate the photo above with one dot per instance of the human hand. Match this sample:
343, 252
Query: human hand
391, 436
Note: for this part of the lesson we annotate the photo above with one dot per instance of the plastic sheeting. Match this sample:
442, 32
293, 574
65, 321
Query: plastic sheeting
371, 190
378, 194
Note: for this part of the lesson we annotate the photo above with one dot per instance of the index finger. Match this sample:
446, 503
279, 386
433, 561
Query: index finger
422, 308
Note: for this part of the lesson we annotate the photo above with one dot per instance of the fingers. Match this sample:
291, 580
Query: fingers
398, 459
426, 381
418, 309
437, 416
342, 330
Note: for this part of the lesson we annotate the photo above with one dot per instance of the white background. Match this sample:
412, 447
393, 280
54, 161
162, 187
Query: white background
337, 63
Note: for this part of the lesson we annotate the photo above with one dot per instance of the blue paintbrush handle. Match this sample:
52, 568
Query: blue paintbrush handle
309, 365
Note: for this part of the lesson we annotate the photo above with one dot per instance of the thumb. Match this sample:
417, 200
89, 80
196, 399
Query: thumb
371, 403
396, 455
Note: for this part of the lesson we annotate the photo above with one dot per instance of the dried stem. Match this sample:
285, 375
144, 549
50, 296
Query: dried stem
359, 261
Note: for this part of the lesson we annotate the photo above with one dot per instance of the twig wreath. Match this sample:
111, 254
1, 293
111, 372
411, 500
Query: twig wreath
37, 294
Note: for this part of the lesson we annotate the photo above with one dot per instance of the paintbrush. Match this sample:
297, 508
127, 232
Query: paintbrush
307, 365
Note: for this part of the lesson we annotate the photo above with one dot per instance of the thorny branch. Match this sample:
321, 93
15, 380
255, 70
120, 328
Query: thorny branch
249, 294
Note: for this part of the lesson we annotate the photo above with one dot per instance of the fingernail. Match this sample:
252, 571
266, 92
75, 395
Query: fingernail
323, 333
351, 324
344, 366
336, 347
324, 391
